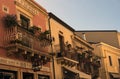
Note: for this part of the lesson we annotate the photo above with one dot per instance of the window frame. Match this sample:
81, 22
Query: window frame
25, 19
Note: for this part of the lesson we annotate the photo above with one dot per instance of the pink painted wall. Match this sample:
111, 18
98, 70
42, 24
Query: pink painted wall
40, 20
12, 10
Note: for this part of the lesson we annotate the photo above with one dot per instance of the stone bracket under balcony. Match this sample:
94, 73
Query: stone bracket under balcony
66, 61
12, 48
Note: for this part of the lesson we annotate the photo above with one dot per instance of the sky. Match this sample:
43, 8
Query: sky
86, 14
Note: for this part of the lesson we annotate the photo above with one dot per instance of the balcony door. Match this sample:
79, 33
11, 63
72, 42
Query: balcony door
61, 43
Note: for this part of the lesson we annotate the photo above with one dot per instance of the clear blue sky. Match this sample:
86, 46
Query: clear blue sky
86, 14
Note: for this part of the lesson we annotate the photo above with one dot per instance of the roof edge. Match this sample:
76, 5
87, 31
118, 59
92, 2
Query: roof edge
96, 31
51, 15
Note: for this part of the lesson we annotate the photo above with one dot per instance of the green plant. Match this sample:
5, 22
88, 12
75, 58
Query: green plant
45, 38
45, 35
10, 20
47, 32
96, 61
34, 29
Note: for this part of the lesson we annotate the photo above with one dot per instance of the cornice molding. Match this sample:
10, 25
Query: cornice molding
30, 6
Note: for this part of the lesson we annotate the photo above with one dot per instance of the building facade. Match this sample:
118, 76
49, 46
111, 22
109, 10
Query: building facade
110, 60
61, 35
106, 45
71, 53
24, 40
89, 61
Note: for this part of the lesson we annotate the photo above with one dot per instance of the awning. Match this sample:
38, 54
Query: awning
115, 75
81, 74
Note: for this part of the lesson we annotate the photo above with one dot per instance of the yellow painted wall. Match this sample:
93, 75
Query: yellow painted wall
55, 28
105, 50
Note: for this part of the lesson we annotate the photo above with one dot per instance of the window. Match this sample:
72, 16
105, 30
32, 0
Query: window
110, 60
5, 9
119, 62
61, 43
25, 22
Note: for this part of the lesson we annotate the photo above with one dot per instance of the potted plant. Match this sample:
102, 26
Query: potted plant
45, 35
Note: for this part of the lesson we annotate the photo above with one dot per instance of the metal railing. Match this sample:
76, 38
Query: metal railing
71, 54
24, 37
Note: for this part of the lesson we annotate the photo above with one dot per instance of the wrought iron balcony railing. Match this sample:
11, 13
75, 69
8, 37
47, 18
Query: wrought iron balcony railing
69, 55
66, 57
18, 36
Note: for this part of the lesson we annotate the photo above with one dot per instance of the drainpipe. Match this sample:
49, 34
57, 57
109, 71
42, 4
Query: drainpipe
52, 54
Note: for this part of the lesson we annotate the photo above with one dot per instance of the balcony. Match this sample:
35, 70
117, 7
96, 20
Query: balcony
67, 57
23, 43
19, 41
89, 63
17, 38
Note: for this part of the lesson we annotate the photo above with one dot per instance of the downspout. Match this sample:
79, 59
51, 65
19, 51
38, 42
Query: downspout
51, 45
